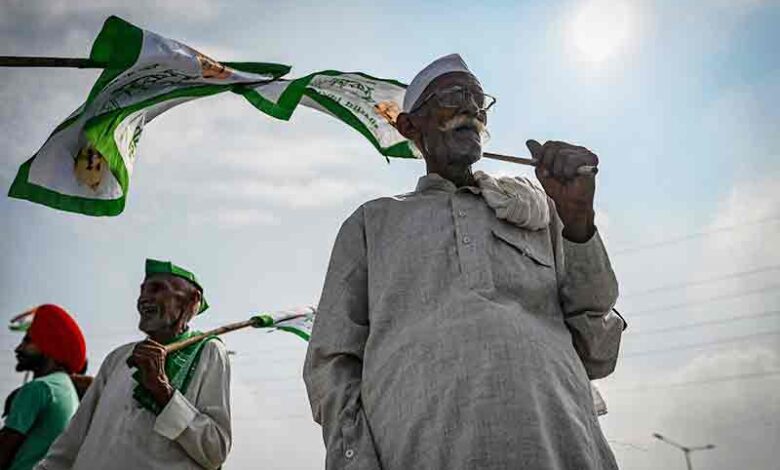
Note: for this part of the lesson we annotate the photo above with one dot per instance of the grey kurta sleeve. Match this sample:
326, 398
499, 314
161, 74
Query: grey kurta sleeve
588, 290
63, 451
202, 426
334, 360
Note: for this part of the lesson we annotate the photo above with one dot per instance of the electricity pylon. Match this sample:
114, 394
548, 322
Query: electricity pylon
686, 450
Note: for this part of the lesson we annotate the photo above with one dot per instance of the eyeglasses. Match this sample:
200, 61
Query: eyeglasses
457, 96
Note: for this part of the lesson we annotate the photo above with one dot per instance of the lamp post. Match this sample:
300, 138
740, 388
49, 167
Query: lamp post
686, 450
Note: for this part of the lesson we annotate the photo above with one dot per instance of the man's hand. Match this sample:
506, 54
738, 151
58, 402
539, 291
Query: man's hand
149, 357
572, 193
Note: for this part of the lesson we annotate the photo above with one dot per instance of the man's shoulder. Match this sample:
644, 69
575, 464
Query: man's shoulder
378, 209
39, 386
118, 355
387, 202
215, 346
39, 390
52, 380
213, 357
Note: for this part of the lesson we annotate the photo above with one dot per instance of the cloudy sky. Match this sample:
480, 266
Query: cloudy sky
680, 99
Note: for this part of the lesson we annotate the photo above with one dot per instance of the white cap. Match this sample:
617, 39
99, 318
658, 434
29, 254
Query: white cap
437, 68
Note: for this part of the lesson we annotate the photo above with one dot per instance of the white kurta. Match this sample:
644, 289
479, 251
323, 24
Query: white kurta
111, 431
446, 338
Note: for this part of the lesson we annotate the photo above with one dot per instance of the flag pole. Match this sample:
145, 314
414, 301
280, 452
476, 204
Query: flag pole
259, 321
583, 170
70, 62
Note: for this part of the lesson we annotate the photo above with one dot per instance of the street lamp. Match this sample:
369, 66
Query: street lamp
686, 450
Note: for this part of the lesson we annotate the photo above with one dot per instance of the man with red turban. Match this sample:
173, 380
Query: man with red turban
52, 349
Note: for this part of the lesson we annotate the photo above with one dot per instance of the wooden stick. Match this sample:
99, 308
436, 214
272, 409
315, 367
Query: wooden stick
583, 170
257, 322
19, 61
26, 313
215, 332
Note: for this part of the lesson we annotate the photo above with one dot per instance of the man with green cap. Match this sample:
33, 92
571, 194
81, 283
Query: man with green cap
169, 411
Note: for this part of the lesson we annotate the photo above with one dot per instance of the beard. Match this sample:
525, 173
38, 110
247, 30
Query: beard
26, 361
462, 138
152, 317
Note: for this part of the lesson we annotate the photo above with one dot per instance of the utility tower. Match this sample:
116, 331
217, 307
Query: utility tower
686, 450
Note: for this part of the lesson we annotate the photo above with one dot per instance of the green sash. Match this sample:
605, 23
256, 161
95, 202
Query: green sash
179, 368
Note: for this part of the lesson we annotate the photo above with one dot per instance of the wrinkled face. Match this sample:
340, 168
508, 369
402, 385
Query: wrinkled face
451, 129
164, 301
28, 356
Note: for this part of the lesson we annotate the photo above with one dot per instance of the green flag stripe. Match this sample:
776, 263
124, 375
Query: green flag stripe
400, 150
100, 132
23, 189
118, 45
294, 331
100, 129
294, 92
275, 70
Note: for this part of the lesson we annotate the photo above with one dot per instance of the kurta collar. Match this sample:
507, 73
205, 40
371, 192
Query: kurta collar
434, 182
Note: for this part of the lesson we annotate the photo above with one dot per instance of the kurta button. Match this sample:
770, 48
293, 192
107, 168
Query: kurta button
466, 240
349, 453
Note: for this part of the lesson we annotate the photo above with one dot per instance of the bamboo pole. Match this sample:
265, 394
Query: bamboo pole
585, 170
70, 62
260, 321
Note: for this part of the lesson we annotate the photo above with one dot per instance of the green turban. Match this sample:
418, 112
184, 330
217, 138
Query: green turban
154, 266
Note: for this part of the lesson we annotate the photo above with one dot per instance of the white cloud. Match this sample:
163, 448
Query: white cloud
745, 248
233, 218
735, 413
294, 193
225, 131
748, 200
54, 11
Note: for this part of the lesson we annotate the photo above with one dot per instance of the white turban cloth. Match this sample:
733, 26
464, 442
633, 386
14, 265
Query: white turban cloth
437, 68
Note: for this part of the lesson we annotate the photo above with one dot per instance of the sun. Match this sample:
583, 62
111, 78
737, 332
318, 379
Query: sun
601, 28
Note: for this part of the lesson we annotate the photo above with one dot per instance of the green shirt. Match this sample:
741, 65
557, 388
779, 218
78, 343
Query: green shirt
41, 410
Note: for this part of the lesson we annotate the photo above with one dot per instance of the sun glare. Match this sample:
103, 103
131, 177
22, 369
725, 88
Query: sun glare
601, 28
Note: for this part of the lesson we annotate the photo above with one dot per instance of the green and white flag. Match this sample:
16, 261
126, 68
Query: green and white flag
368, 104
298, 321
86, 163
22, 321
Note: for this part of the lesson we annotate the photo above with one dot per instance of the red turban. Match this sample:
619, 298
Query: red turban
58, 337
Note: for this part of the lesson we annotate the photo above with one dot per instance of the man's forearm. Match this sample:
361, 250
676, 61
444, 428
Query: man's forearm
162, 393
10, 442
588, 293
205, 438
578, 223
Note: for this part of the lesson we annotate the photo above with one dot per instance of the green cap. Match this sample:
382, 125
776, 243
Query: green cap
154, 266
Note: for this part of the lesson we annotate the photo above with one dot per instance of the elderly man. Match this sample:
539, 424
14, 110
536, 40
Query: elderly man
174, 411
52, 348
459, 324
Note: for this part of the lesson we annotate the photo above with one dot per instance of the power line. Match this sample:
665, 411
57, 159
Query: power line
690, 383
732, 339
665, 308
686, 326
670, 241
626, 444
723, 277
